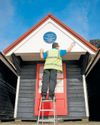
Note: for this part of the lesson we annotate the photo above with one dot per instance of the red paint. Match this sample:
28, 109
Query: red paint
61, 98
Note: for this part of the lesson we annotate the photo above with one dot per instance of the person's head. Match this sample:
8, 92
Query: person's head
55, 45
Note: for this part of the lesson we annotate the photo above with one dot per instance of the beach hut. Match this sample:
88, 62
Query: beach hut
71, 90
92, 74
8, 80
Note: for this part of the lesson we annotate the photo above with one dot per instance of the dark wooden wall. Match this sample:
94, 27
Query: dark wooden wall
27, 92
8, 82
93, 84
76, 103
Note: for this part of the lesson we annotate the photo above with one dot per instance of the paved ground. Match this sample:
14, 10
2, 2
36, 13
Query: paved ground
60, 123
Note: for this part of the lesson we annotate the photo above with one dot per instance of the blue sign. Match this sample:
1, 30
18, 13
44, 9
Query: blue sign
50, 37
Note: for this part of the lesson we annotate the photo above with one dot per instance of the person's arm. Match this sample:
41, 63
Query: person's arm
41, 53
70, 47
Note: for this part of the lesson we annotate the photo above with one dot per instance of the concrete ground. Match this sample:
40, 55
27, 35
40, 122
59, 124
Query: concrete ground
59, 123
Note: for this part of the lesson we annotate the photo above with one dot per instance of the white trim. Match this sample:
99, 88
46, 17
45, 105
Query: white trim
17, 94
85, 96
50, 21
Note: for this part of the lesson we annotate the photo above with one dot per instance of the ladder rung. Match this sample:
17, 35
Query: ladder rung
48, 100
46, 120
42, 109
47, 110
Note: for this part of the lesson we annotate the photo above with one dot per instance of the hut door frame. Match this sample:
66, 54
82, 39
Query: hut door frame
60, 91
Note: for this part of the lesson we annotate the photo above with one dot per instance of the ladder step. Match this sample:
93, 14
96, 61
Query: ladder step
48, 100
42, 109
52, 110
46, 120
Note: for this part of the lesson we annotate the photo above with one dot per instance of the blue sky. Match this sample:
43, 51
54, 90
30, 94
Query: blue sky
17, 16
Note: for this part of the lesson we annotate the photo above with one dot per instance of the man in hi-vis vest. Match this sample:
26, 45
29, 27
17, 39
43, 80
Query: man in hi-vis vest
52, 64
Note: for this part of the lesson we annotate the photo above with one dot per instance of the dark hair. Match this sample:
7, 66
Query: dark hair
54, 45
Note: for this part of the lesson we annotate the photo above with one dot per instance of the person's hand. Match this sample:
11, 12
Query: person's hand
41, 53
71, 46
41, 50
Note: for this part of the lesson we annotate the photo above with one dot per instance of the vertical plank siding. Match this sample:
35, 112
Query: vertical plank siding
26, 101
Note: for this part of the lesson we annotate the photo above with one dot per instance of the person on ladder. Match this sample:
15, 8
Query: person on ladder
53, 64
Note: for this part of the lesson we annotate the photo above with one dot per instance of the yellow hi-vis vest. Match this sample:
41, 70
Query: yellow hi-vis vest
53, 60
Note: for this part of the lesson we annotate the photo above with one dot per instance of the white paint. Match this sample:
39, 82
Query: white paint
34, 41
17, 94
85, 96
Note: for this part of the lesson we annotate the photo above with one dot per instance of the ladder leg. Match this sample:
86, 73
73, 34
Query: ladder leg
39, 111
54, 107
42, 110
42, 107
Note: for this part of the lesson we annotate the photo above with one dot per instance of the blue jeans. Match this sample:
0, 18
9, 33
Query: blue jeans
49, 80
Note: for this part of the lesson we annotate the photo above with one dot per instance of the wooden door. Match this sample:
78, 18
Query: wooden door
60, 92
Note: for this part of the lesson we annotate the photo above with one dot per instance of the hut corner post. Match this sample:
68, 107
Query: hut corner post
85, 95
16, 99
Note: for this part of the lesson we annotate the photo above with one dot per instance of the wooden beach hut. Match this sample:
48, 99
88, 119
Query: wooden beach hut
8, 81
71, 90
92, 74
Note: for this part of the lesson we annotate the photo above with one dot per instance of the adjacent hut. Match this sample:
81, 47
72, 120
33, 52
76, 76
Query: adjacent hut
8, 80
71, 91
93, 84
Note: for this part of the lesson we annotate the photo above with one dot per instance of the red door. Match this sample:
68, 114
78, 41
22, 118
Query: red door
60, 92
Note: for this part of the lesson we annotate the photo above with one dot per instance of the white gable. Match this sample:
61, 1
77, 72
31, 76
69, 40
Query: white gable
34, 42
